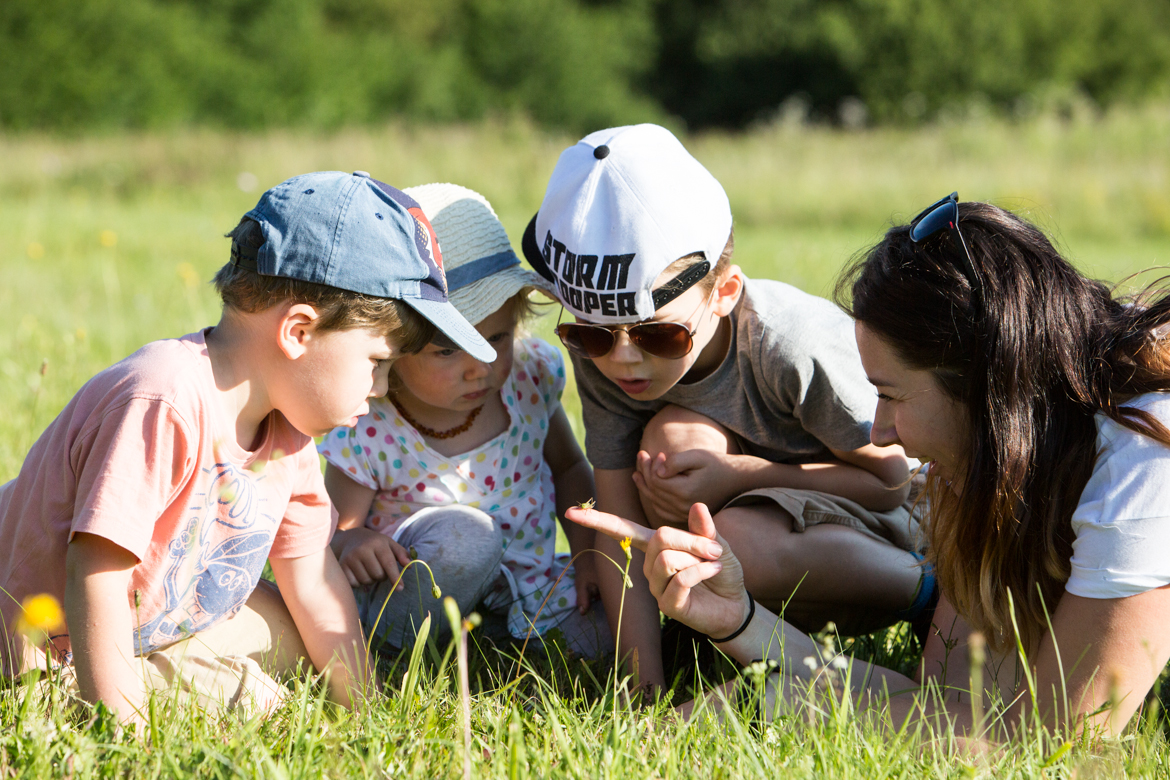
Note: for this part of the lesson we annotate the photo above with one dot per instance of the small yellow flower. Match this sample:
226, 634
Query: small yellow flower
42, 614
108, 238
187, 273
36, 250
626, 547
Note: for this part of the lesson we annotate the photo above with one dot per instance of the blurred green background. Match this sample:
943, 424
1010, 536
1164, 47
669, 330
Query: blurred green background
82, 65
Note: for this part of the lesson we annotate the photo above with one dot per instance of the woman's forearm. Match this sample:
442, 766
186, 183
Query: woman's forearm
767, 637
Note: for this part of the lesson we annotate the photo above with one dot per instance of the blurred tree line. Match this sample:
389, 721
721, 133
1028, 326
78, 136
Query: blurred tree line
575, 64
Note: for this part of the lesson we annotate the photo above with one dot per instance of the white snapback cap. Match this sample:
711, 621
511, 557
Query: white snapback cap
623, 204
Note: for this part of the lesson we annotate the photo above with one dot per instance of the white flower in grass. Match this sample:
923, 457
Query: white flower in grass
839, 663
811, 663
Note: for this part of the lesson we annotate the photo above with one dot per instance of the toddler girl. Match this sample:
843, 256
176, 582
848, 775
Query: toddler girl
468, 465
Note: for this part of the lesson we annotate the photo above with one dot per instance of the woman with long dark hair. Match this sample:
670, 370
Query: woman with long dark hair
1039, 400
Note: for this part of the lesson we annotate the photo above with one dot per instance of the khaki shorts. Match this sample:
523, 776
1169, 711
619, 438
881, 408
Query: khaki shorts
898, 527
222, 668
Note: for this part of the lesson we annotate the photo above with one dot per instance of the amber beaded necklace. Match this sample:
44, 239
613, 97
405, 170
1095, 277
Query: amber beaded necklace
431, 432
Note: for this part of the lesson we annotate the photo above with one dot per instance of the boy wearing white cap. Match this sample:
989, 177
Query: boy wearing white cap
700, 385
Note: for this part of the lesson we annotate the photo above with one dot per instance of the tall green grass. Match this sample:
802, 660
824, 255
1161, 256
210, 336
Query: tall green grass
107, 243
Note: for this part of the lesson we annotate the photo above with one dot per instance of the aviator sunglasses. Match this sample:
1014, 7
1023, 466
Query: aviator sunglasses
944, 215
669, 340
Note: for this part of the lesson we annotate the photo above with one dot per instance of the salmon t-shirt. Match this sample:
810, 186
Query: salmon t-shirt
144, 457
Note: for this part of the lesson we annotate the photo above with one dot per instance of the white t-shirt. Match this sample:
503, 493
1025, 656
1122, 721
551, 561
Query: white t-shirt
1122, 523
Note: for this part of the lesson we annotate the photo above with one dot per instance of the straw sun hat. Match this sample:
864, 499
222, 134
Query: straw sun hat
482, 270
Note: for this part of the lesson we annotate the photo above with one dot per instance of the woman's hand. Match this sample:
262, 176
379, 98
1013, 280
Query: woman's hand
693, 575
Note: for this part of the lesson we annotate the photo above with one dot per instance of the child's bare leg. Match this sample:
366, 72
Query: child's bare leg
830, 572
675, 429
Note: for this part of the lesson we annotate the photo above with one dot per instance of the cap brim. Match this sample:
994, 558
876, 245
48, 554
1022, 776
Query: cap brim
454, 326
485, 296
532, 252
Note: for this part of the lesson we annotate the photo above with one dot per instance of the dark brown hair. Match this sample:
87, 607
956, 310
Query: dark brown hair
1032, 356
248, 291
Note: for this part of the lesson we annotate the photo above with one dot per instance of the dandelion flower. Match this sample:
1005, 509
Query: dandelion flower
41, 615
626, 548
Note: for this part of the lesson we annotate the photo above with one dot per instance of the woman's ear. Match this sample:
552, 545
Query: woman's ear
727, 291
295, 329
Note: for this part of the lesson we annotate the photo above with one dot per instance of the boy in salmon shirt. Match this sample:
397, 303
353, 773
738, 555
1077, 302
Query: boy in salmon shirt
150, 505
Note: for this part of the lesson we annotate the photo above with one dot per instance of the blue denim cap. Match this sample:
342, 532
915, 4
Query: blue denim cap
355, 233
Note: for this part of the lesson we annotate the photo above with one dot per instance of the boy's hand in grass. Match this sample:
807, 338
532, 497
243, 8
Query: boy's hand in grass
367, 556
694, 575
672, 484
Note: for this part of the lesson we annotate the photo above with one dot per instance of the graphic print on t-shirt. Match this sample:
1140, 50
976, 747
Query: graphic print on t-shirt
215, 564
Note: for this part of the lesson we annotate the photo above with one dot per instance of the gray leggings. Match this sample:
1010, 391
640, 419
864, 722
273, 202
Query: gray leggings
464, 548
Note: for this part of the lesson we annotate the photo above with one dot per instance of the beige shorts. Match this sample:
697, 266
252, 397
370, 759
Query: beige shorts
898, 527
226, 667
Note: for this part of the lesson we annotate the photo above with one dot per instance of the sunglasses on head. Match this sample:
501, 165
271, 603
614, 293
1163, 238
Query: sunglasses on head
944, 215
669, 340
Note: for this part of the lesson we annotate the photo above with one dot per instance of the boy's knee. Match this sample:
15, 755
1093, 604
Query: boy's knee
675, 429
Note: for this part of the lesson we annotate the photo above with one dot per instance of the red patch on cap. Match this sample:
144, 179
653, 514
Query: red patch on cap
436, 253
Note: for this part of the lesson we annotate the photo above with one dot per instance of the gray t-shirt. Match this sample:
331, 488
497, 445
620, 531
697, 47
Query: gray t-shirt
790, 387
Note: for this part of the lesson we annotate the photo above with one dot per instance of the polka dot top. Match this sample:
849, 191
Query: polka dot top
506, 477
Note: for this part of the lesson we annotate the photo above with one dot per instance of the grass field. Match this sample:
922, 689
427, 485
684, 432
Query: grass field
106, 243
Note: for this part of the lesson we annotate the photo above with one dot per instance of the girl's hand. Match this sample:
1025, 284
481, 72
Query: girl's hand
367, 556
672, 484
693, 575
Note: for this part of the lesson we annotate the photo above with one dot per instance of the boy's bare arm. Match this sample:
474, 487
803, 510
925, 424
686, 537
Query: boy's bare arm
101, 624
875, 477
640, 628
573, 483
322, 606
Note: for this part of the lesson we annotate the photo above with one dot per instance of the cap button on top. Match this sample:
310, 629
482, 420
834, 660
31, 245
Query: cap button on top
363, 174
601, 152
